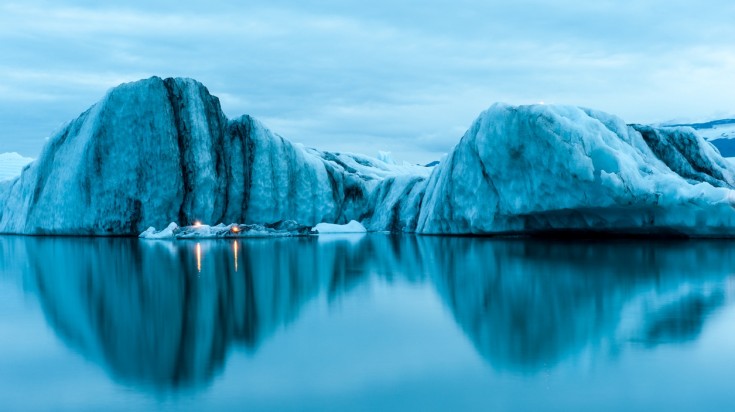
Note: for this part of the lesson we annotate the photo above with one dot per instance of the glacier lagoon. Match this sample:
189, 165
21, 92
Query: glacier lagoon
366, 322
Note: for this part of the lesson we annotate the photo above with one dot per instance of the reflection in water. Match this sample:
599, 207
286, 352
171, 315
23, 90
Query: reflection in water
682, 320
235, 253
527, 305
152, 319
199, 257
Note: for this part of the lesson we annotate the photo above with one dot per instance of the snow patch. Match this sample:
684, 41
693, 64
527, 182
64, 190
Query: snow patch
152, 233
352, 227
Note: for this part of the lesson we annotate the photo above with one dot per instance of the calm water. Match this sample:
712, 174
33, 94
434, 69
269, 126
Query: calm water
366, 323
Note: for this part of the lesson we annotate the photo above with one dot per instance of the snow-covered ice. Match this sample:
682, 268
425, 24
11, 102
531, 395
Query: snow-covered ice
352, 227
167, 233
231, 231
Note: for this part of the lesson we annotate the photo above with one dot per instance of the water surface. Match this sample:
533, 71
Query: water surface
375, 322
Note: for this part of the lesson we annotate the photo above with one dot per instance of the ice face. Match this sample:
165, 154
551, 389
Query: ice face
159, 151
532, 169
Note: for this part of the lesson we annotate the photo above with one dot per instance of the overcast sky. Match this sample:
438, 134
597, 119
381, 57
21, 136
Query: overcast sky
401, 76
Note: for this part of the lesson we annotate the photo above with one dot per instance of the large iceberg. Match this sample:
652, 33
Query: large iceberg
158, 151
554, 169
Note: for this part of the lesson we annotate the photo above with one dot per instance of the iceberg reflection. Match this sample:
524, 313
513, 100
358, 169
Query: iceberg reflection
527, 305
235, 252
153, 319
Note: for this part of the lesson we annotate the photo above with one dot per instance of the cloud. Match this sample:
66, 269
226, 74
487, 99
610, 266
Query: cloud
341, 75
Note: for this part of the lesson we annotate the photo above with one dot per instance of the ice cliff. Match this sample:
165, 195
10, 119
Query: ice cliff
551, 169
159, 151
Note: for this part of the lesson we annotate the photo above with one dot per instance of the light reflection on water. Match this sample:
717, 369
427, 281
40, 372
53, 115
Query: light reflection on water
235, 253
158, 323
199, 256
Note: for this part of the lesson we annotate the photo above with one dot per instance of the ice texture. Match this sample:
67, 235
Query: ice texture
158, 151
720, 132
540, 169
386, 157
167, 233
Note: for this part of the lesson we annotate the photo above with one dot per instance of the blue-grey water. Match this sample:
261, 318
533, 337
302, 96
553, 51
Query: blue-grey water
375, 322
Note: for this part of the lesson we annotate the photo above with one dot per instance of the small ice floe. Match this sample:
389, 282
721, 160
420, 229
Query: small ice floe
352, 227
152, 233
235, 230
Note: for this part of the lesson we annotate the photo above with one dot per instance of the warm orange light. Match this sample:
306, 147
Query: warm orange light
199, 256
197, 223
235, 229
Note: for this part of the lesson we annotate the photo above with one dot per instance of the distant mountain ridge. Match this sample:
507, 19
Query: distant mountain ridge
721, 133
705, 125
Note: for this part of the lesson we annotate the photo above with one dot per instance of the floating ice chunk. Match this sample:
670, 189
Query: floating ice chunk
167, 233
200, 231
352, 227
234, 230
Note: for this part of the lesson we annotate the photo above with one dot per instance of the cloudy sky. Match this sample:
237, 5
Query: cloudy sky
402, 76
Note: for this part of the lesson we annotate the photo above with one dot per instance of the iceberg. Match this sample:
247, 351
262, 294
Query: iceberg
158, 151
554, 169
352, 227
168, 233
11, 164
161, 150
